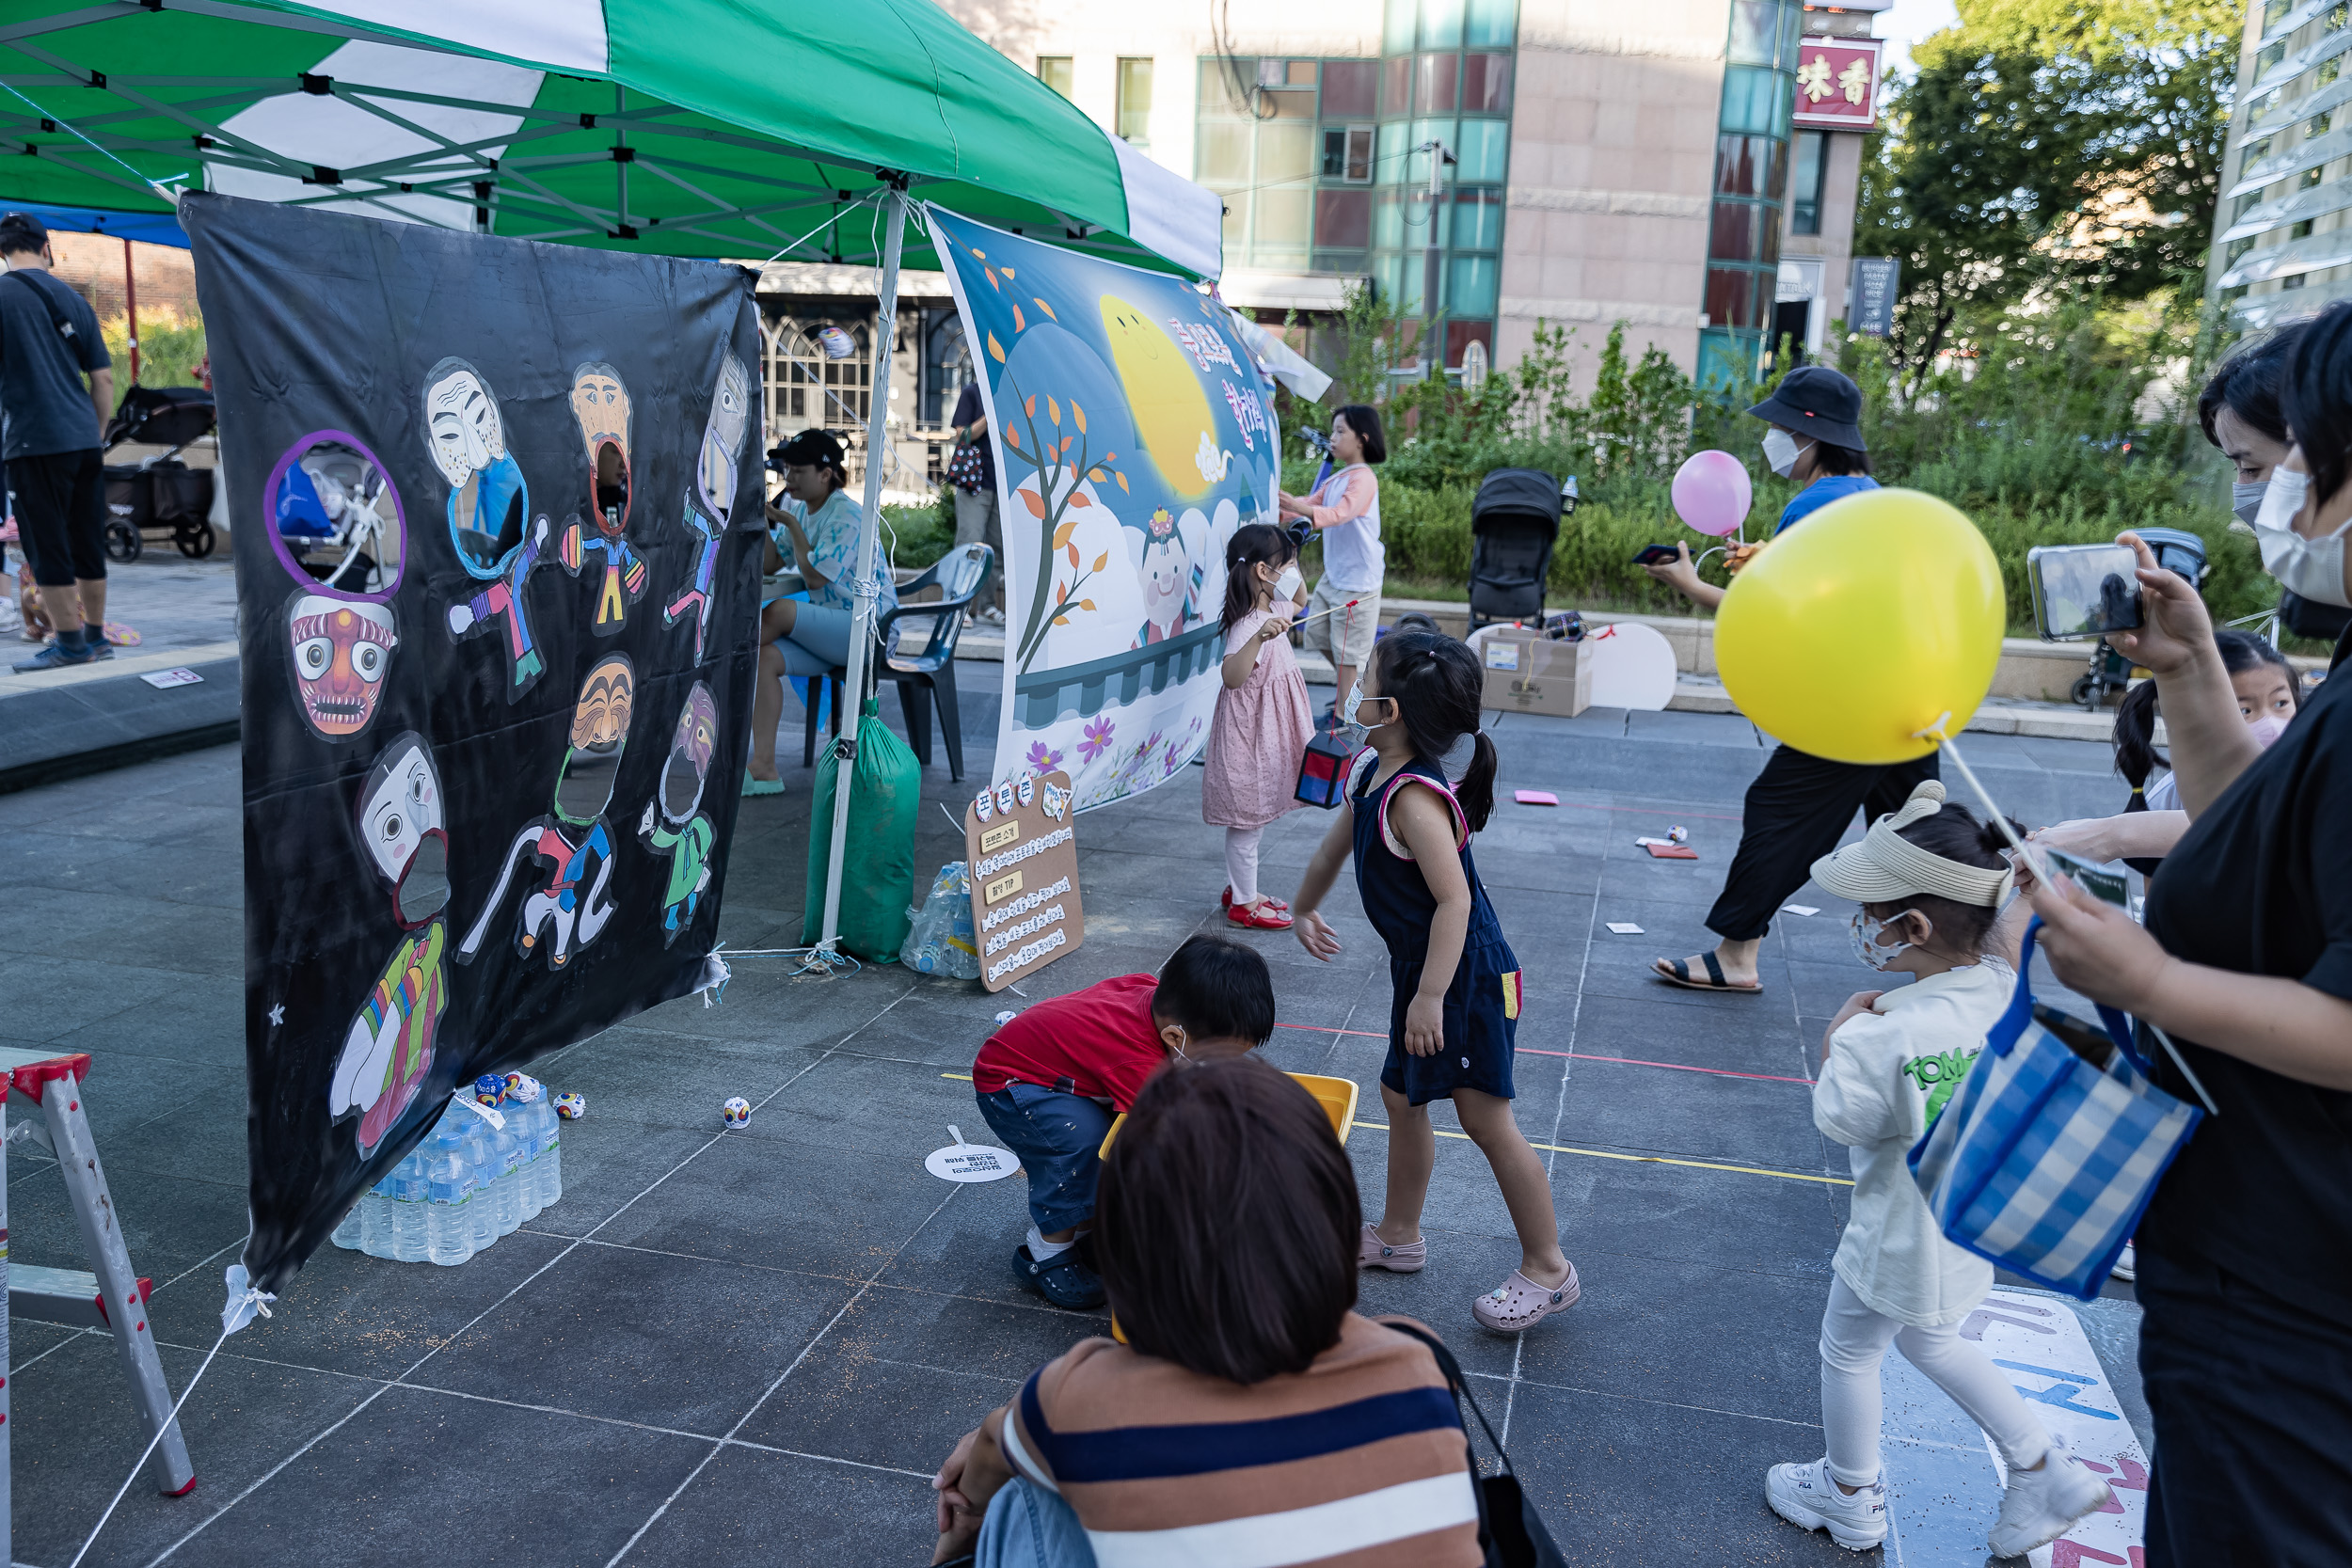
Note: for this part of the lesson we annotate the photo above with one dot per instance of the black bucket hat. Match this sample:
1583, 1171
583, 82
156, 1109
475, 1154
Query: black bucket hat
1815, 401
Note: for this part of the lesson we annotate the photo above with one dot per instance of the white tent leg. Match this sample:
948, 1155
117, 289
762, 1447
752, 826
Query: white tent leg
868, 543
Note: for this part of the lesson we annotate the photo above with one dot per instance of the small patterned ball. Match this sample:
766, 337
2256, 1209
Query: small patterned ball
571, 1107
489, 1088
735, 1113
521, 1089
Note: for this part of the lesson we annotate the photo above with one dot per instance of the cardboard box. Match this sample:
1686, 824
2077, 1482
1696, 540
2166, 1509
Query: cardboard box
1528, 672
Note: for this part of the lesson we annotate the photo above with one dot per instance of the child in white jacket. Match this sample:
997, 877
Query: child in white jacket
1929, 881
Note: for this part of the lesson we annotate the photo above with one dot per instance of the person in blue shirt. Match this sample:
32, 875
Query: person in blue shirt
1799, 806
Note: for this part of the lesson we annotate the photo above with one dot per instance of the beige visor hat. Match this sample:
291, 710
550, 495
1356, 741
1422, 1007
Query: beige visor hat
1886, 868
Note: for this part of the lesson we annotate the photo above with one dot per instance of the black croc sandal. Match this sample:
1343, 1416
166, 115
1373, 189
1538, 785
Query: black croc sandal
1715, 981
1062, 1279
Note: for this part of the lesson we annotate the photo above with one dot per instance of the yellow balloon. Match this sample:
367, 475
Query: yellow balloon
1862, 625
1164, 396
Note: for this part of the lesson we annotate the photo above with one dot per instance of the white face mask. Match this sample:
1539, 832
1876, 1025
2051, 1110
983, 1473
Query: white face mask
1865, 933
2274, 518
1781, 451
1287, 585
2266, 729
2246, 499
1355, 699
2312, 567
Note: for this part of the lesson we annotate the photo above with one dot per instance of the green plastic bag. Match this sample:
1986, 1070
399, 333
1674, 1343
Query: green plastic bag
878, 861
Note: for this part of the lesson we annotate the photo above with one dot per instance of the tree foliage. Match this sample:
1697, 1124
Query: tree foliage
2045, 141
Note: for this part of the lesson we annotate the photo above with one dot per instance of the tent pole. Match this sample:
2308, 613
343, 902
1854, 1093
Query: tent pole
862, 584
131, 304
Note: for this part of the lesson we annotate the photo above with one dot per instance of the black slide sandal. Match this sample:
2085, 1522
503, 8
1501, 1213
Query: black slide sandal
1715, 981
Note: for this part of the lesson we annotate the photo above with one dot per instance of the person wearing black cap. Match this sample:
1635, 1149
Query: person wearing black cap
807, 638
50, 433
1798, 808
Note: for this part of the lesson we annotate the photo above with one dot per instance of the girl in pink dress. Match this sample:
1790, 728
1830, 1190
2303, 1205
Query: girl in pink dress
1263, 721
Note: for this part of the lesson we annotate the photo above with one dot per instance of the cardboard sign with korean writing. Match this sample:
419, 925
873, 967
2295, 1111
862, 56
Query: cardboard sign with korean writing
1838, 84
1021, 840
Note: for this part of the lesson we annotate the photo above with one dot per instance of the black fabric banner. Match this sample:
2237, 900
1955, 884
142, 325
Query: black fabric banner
496, 509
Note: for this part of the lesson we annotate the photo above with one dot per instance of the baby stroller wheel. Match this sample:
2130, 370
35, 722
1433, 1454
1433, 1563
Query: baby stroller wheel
122, 539
194, 543
2086, 692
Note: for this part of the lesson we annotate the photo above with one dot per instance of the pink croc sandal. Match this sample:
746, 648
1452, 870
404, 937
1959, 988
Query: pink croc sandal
1519, 1304
1374, 1253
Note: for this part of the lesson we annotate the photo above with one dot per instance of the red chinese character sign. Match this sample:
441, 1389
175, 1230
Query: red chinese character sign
1838, 84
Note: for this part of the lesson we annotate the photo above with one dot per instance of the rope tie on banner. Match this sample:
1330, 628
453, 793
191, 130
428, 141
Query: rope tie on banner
235, 1316
2041, 874
157, 186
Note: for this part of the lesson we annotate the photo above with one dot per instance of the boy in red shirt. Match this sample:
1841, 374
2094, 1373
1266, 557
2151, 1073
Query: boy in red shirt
1051, 1078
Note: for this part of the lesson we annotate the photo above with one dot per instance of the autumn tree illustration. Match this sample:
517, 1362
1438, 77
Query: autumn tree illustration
1055, 505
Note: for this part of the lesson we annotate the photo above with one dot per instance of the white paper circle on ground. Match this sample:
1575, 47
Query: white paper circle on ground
1633, 666
970, 1163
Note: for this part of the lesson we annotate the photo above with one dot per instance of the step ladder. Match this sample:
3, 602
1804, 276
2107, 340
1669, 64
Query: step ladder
111, 1295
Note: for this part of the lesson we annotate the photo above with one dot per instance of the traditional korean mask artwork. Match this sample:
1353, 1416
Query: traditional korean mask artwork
341, 650
600, 404
387, 1049
719, 464
488, 501
567, 913
672, 824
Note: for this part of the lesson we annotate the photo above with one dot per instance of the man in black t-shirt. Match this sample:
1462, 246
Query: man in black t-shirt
50, 431
977, 517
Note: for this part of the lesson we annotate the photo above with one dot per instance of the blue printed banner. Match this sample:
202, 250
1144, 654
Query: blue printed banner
1133, 434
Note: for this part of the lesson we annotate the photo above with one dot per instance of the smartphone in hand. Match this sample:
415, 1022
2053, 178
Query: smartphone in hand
1654, 555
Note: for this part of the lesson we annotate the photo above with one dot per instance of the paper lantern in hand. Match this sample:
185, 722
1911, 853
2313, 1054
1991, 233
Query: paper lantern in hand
1862, 625
1711, 491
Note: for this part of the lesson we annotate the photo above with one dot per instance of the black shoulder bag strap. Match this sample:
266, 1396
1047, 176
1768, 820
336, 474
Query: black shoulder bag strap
48, 300
1509, 1529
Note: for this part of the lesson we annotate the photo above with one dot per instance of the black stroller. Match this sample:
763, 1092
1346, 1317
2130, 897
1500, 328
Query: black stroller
161, 492
1515, 522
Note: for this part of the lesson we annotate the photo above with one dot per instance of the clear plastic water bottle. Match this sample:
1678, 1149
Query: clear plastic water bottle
550, 1160
527, 1120
480, 1166
353, 1226
506, 1187
449, 1193
405, 1204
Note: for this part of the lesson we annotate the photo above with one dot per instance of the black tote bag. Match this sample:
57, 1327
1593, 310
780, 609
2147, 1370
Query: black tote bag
1509, 1528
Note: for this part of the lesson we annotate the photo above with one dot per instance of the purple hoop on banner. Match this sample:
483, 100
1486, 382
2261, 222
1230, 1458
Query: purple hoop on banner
279, 541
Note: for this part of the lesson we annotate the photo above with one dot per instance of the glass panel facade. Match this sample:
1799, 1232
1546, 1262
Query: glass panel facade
1315, 162
1804, 194
1135, 102
1752, 166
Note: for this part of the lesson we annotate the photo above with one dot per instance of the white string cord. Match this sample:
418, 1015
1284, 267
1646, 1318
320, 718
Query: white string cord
157, 186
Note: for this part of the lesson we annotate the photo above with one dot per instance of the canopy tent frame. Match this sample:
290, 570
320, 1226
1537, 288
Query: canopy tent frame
494, 170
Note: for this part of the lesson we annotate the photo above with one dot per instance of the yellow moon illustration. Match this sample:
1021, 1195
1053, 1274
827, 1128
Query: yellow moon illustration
1172, 412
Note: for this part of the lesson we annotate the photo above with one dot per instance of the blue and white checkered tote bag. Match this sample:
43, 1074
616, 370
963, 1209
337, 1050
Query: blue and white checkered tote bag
2043, 1162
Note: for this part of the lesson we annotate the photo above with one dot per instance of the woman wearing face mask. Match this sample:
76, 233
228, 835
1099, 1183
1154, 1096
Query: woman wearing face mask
2240, 411
2269, 690
2245, 962
2302, 537
1799, 805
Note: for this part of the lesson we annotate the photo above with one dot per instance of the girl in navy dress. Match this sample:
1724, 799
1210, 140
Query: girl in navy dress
1456, 1008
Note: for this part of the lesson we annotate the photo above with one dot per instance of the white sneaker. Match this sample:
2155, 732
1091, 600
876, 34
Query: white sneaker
2042, 1504
2127, 1263
1807, 1496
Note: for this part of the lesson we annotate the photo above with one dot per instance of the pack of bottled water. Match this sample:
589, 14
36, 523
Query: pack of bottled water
472, 1180
940, 940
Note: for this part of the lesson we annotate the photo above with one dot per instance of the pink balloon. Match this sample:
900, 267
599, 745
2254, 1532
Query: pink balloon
1711, 491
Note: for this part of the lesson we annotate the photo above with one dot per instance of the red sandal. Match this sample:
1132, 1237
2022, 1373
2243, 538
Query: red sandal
1225, 899
1263, 917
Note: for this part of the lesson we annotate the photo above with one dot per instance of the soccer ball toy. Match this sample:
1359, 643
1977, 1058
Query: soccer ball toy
737, 1114
571, 1107
521, 1087
489, 1090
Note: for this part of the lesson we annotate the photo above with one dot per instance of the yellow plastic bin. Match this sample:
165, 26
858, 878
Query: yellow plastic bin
1337, 1096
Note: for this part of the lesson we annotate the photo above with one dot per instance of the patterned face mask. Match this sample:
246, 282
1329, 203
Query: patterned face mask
1865, 932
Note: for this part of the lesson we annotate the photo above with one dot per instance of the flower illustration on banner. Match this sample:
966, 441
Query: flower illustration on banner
1042, 759
1097, 739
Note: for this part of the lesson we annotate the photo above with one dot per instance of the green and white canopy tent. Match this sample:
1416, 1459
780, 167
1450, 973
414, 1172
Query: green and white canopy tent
690, 127
713, 127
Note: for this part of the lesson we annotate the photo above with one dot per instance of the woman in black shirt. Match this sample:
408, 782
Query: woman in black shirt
2246, 1253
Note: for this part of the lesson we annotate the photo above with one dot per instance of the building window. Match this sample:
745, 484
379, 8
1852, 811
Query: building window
2318, 127
1804, 191
1347, 153
2301, 230
947, 366
1351, 89
1134, 102
2311, 176
1056, 72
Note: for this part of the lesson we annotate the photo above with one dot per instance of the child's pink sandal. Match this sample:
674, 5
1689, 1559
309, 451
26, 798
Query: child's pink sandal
1519, 1304
1374, 1253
